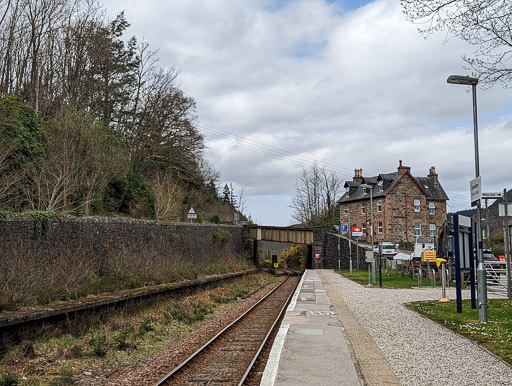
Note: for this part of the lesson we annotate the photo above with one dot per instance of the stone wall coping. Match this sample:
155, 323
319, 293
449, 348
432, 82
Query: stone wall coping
112, 220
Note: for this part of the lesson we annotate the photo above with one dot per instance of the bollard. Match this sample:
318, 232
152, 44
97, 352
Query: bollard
433, 278
443, 272
419, 277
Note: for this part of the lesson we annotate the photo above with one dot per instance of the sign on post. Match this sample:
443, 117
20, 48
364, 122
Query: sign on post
492, 195
475, 187
369, 256
317, 255
357, 231
501, 210
428, 256
191, 214
344, 228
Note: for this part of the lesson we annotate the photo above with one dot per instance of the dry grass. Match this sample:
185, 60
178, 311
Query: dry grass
124, 340
38, 279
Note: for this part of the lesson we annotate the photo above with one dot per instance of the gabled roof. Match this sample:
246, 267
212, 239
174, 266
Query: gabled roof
435, 191
432, 190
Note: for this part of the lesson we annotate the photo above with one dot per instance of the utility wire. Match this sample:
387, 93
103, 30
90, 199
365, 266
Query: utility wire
279, 150
293, 158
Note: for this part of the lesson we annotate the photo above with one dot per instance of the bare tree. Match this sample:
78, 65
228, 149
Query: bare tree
486, 24
169, 197
242, 201
315, 198
82, 158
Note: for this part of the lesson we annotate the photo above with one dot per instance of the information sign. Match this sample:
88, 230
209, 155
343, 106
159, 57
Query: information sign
475, 187
428, 256
191, 214
501, 209
492, 195
317, 255
344, 228
357, 231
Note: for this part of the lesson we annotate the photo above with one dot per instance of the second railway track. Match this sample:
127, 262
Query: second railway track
229, 356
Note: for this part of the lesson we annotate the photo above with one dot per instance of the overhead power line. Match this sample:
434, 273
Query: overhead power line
271, 151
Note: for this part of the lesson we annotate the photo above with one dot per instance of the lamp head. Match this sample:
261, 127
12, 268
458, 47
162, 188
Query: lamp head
464, 80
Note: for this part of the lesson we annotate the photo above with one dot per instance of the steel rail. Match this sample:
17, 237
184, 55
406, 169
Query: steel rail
255, 358
187, 361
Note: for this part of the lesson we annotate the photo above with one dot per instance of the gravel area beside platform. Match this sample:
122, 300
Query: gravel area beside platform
419, 351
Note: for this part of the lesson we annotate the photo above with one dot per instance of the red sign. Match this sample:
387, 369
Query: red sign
317, 255
357, 231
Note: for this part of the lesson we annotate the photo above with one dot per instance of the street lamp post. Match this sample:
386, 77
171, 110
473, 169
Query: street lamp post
370, 187
349, 240
480, 272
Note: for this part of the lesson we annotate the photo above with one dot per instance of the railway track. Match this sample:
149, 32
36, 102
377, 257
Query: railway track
230, 355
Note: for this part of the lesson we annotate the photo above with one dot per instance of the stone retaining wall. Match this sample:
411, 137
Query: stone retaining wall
326, 245
97, 237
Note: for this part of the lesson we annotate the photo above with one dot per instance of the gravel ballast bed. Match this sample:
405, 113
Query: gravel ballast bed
419, 351
162, 363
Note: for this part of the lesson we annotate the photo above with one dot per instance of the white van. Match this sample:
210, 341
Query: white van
388, 249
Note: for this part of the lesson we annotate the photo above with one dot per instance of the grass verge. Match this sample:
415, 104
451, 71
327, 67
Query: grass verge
391, 280
121, 342
496, 335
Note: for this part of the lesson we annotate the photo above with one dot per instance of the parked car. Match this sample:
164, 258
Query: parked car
388, 249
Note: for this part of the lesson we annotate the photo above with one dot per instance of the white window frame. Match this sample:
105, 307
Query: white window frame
363, 208
345, 209
431, 208
381, 186
432, 230
365, 190
379, 205
417, 228
380, 228
417, 204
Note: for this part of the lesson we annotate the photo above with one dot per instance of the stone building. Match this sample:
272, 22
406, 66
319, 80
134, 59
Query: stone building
403, 206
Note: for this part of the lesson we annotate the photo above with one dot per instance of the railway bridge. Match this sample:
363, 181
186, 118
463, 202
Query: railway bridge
322, 245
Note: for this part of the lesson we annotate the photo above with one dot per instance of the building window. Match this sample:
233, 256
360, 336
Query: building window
365, 190
345, 209
417, 229
432, 229
363, 227
379, 205
431, 208
379, 227
381, 186
363, 208
416, 205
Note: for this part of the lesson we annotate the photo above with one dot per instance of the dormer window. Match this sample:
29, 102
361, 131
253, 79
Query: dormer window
381, 186
365, 190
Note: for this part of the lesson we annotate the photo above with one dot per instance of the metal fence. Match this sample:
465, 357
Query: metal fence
496, 277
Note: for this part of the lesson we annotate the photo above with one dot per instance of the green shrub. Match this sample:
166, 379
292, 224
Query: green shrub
9, 380
42, 221
221, 236
99, 345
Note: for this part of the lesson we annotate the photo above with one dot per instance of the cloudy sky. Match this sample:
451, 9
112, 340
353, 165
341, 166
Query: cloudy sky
350, 84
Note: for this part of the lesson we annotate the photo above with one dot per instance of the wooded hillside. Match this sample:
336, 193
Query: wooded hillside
89, 123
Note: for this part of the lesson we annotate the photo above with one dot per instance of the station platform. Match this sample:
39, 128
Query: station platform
310, 347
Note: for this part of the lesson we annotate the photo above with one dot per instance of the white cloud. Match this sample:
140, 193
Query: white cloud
354, 89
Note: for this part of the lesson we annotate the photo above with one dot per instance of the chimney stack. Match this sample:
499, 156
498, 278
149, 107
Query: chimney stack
433, 175
402, 169
358, 175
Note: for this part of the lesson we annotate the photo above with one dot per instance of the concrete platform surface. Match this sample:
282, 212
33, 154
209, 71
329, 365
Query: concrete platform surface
311, 347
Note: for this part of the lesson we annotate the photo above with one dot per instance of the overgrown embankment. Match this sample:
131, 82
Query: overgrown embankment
75, 257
